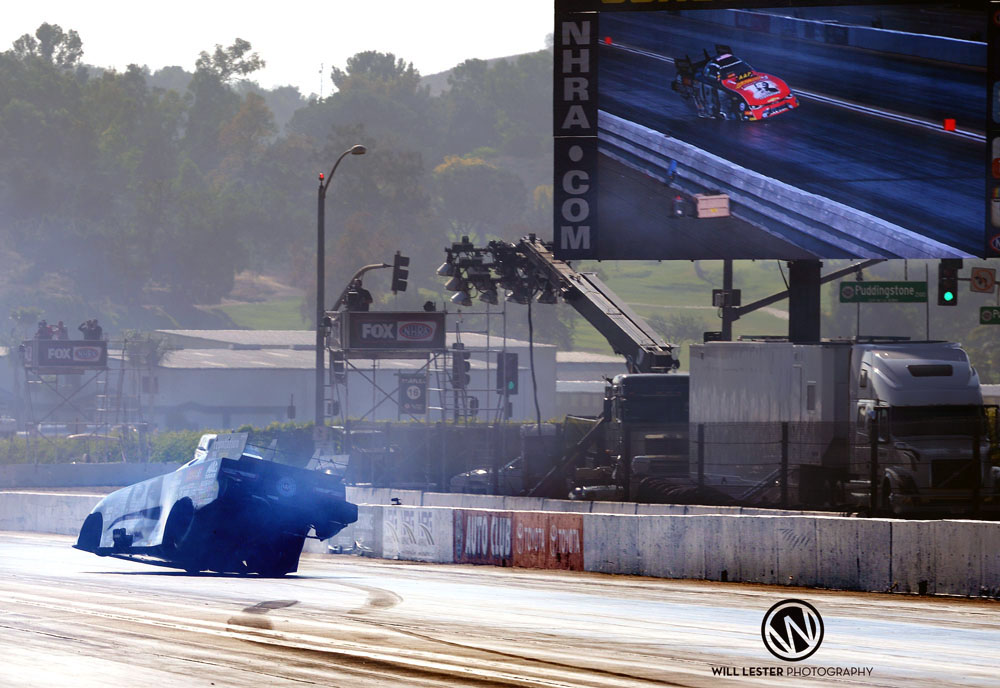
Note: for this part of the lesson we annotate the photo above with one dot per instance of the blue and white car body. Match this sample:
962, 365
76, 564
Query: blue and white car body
225, 510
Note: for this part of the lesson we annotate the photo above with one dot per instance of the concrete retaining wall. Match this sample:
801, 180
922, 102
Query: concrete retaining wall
800, 217
40, 512
938, 48
418, 533
932, 557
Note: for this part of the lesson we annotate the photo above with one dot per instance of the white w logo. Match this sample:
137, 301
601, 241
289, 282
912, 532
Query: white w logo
792, 630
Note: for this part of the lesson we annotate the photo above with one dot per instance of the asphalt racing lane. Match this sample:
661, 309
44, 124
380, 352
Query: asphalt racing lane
68, 618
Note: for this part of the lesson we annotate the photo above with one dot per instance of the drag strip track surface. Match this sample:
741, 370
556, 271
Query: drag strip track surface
68, 618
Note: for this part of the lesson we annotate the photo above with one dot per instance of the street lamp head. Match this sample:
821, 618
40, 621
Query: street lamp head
358, 149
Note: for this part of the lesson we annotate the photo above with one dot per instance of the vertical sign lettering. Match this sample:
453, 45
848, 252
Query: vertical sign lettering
575, 132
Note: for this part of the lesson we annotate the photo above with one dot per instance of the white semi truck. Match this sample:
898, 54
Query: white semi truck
826, 422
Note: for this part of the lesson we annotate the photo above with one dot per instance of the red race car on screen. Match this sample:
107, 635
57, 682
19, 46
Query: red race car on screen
726, 87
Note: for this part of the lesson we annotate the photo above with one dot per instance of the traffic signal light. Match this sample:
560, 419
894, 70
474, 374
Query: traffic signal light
507, 373
460, 367
948, 281
338, 367
399, 272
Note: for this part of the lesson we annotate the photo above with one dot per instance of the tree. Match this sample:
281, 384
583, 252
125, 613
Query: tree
228, 63
476, 197
505, 105
51, 44
377, 72
213, 103
679, 327
980, 344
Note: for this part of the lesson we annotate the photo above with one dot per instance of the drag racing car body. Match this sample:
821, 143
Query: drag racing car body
226, 510
726, 87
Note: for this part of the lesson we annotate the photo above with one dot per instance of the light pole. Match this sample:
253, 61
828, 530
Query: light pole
321, 277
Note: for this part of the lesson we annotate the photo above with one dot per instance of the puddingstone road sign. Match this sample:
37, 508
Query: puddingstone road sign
883, 292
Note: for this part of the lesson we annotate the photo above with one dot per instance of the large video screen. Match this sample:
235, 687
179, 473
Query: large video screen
711, 130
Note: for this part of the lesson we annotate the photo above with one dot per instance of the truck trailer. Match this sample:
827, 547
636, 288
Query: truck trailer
889, 426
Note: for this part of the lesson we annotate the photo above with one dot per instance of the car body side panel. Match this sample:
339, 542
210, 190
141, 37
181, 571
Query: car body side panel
142, 509
757, 94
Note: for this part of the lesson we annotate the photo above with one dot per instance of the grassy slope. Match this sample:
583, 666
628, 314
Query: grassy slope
674, 287
282, 314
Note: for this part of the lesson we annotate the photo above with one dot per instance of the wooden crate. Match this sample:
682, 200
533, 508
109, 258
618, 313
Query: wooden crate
712, 205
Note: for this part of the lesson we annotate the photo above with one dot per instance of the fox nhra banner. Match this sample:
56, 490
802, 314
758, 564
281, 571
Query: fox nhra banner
65, 355
393, 331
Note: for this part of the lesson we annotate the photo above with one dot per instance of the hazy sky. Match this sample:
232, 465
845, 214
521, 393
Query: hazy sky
294, 38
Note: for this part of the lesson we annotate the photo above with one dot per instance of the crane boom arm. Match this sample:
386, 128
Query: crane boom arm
626, 331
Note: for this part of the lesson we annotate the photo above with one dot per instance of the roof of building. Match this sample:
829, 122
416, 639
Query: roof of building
281, 339
580, 387
277, 359
588, 357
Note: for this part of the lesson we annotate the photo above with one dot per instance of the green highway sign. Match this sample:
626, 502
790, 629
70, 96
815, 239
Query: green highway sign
883, 292
989, 315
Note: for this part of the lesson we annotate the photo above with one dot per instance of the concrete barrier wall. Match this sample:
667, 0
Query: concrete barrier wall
800, 217
611, 544
418, 533
40, 512
938, 48
80, 474
880, 555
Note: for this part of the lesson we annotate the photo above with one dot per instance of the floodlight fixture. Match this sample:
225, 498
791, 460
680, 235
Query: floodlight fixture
461, 298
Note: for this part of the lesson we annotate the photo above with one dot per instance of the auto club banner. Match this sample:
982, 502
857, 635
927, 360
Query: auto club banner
520, 538
65, 356
393, 331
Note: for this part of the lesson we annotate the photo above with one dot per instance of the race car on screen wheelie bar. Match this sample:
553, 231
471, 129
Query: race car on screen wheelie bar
225, 510
726, 87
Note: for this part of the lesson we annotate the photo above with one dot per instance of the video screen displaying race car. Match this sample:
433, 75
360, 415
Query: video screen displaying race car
726, 87
729, 130
226, 510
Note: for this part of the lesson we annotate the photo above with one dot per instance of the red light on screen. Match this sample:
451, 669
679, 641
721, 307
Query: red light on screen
949, 124
607, 40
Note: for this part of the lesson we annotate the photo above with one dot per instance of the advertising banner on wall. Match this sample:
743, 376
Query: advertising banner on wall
417, 534
483, 537
548, 540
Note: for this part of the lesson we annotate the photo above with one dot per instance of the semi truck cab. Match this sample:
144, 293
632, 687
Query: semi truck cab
932, 443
